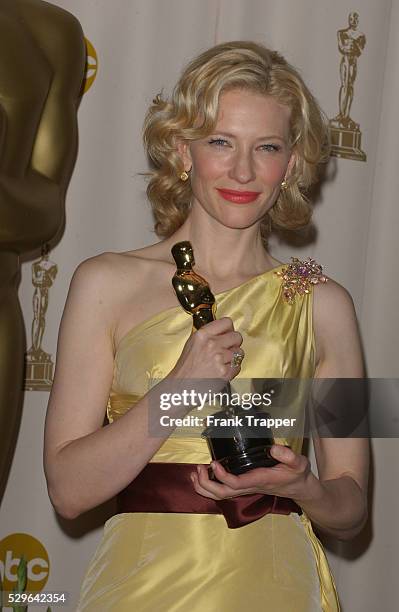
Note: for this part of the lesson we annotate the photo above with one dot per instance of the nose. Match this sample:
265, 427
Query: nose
242, 167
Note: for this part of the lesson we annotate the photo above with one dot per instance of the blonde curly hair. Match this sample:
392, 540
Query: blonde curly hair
233, 65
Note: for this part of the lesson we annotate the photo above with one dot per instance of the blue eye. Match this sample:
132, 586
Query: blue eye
218, 141
274, 148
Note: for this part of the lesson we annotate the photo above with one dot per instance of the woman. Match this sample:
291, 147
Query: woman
234, 150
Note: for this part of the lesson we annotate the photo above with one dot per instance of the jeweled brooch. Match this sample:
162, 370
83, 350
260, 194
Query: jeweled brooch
299, 276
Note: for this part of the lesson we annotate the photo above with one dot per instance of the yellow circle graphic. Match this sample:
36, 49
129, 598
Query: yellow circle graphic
15, 546
91, 65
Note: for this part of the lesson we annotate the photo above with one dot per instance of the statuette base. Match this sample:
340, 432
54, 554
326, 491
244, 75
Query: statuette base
39, 372
346, 143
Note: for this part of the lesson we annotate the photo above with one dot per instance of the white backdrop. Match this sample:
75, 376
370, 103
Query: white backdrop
142, 46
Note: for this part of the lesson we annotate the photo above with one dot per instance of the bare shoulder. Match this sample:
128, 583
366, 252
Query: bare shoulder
331, 303
106, 277
129, 267
100, 288
331, 295
124, 288
92, 283
336, 329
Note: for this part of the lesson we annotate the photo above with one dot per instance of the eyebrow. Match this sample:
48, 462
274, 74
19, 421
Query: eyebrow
268, 137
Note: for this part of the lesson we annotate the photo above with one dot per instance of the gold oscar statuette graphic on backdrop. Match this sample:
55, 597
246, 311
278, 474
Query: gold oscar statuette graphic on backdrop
91, 65
39, 366
345, 133
42, 61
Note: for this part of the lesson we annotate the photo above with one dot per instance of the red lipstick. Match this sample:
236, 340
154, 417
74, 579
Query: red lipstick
238, 197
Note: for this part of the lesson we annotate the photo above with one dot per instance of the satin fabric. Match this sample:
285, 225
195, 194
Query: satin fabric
151, 562
167, 487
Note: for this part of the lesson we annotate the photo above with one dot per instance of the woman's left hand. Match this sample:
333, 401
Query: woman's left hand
289, 478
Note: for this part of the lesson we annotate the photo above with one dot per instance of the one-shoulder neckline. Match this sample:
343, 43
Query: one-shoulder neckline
162, 313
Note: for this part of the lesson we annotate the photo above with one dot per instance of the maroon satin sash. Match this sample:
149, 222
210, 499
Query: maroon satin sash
167, 487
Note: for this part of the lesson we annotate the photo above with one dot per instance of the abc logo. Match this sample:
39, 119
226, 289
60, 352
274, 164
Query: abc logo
91, 65
12, 548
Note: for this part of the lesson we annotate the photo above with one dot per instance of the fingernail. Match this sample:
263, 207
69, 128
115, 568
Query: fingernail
198, 469
213, 465
192, 477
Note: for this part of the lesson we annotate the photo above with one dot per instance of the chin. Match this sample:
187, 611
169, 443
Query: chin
243, 217
238, 216
241, 222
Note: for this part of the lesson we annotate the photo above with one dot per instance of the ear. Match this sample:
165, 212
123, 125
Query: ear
183, 149
291, 164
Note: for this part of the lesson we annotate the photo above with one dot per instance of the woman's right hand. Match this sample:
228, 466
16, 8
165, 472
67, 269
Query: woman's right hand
208, 353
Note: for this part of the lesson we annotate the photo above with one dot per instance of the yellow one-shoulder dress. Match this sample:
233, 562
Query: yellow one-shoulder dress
154, 562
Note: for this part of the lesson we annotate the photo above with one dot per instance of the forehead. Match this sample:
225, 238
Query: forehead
246, 110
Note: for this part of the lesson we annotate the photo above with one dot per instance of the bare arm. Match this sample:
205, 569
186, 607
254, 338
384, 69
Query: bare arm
86, 463
337, 500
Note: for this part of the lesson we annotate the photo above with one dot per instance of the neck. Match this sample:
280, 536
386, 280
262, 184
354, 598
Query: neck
221, 252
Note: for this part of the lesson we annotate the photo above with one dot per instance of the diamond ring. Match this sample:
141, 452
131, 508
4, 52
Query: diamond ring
236, 360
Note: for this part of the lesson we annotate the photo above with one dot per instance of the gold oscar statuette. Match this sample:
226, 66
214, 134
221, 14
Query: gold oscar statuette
344, 131
192, 290
239, 448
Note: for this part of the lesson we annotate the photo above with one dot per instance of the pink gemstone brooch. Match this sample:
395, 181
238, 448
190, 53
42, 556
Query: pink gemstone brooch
298, 277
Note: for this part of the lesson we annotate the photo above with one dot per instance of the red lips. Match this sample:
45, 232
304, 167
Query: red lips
238, 197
